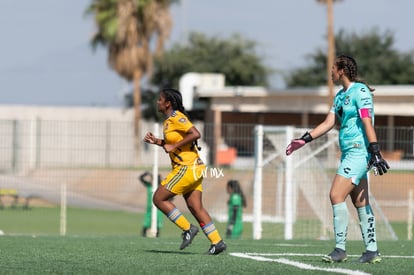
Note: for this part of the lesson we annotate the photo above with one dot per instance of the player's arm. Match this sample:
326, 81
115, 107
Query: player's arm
376, 161
318, 131
151, 139
144, 180
324, 127
191, 135
232, 220
369, 129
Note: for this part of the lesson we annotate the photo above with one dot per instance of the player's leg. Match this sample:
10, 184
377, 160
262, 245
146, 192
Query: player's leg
147, 217
147, 222
360, 199
194, 203
162, 200
238, 228
159, 222
177, 182
340, 189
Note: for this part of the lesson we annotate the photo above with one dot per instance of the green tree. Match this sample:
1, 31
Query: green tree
378, 62
128, 28
235, 57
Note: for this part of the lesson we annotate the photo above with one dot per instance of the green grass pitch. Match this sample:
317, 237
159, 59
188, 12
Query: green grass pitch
112, 244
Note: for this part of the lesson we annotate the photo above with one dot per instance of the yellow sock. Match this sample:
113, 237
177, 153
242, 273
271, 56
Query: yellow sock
178, 218
211, 233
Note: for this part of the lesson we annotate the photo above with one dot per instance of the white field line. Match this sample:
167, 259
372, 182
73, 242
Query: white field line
320, 255
299, 264
262, 257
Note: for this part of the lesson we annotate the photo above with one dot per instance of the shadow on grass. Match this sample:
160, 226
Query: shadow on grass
169, 252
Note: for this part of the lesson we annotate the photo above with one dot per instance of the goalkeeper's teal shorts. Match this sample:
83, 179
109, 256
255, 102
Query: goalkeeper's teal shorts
353, 166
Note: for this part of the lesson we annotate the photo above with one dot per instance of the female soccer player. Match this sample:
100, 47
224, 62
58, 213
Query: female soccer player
354, 110
180, 142
235, 207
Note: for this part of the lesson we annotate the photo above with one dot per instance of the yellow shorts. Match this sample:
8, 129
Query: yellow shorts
184, 179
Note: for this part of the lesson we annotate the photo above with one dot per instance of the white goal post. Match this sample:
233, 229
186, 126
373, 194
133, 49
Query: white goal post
302, 181
155, 172
258, 184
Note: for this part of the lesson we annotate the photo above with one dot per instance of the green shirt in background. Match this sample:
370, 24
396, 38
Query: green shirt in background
235, 216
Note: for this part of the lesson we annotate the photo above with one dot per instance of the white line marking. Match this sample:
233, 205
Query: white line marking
290, 244
285, 254
320, 255
299, 264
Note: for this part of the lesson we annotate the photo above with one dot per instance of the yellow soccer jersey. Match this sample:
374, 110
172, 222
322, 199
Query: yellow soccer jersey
175, 128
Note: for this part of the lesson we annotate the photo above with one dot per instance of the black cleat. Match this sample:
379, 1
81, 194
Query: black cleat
336, 256
371, 257
217, 248
188, 236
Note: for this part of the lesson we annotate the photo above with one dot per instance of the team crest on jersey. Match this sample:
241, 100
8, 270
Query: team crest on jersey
166, 126
346, 101
182, 120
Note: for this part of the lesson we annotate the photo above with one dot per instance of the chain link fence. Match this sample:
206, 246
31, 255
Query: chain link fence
99, 163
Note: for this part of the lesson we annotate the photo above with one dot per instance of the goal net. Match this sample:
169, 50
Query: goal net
291, 194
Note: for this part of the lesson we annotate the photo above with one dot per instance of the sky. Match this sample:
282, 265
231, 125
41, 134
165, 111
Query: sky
46, 58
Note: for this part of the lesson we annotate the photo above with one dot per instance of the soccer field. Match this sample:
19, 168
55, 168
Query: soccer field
109, 242
138, 255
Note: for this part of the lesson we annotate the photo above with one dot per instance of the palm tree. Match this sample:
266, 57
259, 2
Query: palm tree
127, 29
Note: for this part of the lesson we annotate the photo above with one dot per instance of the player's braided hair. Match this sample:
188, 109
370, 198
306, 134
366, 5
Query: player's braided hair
349, 65
174, 96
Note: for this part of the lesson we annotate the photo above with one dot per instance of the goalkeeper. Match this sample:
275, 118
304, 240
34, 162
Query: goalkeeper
235, 210
353, 109
146, 180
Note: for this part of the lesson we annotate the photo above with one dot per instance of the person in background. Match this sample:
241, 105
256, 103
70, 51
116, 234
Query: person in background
235, 204
180, 142
146, 180
353, 109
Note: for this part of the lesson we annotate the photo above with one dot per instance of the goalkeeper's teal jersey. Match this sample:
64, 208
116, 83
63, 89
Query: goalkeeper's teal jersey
347, 105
